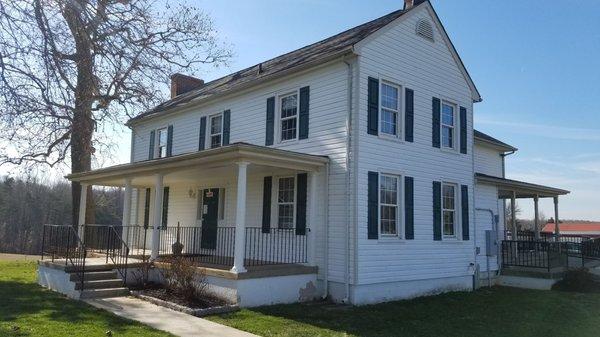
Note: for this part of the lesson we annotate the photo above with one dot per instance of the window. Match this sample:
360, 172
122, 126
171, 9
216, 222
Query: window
449, 210
162, 143
448, 123
216, 130
388, 204
390, 109
286, 202
289, 117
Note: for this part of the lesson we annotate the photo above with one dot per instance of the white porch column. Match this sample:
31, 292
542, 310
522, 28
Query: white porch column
158, 196
312, 199
536, 217
126, 210
82, 209
513, 216
556, 221
240, 220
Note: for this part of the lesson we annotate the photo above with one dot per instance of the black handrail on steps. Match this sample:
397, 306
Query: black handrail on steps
64, 241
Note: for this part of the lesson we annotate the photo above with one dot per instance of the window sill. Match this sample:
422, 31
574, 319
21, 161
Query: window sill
449, 150
390, 239
390, 138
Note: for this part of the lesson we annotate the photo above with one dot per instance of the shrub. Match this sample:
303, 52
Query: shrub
578, 280
184, 279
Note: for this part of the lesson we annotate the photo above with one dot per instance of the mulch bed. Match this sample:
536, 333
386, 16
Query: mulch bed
193, 303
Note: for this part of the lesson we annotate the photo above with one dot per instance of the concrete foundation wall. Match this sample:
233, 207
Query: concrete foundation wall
57, 280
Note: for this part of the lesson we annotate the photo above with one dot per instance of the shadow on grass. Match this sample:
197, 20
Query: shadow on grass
489, 312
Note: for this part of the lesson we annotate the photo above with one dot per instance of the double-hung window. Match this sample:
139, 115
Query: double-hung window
216, 130
289, 117
286, 204
449, 210
389, 204
162, 142
390, 109
448, 125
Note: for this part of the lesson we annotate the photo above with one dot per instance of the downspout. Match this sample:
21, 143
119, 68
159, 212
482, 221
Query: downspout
326, 245
503, 155
346, 298
475, 265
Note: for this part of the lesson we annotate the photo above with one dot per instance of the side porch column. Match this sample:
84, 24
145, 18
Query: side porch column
240, 220
82, 209
556, 221
536, 220
126, 210
158, 196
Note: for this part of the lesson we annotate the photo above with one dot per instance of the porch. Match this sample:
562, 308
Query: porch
228, 208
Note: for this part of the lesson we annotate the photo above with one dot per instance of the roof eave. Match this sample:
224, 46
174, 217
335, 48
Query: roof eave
502, 147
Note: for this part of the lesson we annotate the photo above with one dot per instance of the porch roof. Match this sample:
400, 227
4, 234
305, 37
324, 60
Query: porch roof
211, 158
522, 189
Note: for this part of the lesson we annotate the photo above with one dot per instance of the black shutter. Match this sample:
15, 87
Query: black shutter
151, 148
373, 106
266, 215
165, 205
409, 208
435, 129
464, 198
437, 210
147, 208
372, 213
170, 141
270, 121
226, 126
202, 139
301, 204
409, 114
463, 130
303, 116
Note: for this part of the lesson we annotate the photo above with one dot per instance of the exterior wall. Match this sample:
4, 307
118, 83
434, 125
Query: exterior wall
488, 160
486, 198
398, 55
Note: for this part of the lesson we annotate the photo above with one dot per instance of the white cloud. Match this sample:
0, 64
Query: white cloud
548, 131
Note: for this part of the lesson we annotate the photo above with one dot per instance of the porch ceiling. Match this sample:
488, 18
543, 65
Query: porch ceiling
218, 161
506, 187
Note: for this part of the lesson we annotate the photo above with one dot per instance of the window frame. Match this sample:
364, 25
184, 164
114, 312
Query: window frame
454, 128
209, 134
279, 133
399, 112
158, 147
456, 217
275, 201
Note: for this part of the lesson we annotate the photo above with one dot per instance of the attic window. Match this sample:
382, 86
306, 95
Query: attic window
425, 29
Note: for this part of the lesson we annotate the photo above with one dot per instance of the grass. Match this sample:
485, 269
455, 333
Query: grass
487, 312
27, 309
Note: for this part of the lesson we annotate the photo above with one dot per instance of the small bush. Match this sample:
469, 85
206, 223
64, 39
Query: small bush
184, 279
578, 280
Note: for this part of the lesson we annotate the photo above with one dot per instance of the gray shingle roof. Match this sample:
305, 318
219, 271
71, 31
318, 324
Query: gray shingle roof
320, 51
489, 139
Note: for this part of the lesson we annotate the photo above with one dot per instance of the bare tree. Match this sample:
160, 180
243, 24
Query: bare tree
509, 215
71, 68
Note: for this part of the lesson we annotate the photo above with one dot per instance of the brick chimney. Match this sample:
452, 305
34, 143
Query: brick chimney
181, 83
411, 3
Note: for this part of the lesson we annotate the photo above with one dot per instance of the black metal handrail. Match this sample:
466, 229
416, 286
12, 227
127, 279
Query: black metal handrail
276, 246
533, 254
118, 252
215, 246
60, 241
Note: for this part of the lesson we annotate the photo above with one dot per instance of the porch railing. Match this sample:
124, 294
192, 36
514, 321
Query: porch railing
215, 246
63, 242
533, 254
544, 236
277, 246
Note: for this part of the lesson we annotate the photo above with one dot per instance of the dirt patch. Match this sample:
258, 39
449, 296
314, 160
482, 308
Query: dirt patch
197, 303
18, 257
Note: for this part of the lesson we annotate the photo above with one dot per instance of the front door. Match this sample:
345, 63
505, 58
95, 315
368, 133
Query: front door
210, 218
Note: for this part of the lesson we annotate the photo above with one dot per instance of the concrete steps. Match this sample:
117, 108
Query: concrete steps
104, 293
99, 281
100, 284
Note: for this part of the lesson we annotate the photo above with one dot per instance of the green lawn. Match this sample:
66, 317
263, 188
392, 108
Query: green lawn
495, 312
27, 309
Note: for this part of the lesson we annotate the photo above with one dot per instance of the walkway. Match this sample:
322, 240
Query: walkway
165, 319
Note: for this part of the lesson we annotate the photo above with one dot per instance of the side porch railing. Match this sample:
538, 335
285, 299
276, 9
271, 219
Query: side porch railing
63, 242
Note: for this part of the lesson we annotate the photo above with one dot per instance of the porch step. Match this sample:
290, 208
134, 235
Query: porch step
104, 293
96, 275
91, 268
100, 284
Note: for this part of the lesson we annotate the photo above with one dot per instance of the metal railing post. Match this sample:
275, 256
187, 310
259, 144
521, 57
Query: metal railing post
43, 239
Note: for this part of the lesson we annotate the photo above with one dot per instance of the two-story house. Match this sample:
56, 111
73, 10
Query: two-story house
346, 169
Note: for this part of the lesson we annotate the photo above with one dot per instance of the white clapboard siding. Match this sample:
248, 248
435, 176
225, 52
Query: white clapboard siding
487, 199
488, 161
399, 55
327, 136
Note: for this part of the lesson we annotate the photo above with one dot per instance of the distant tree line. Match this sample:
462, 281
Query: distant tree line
26, 204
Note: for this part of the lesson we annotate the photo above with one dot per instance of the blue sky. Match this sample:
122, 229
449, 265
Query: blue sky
535, 63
